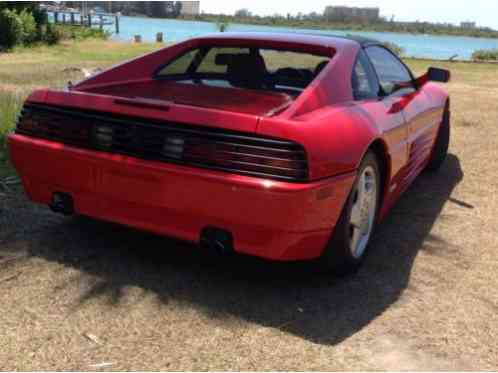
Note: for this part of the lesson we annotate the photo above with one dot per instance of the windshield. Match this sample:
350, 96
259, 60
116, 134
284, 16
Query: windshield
241, 67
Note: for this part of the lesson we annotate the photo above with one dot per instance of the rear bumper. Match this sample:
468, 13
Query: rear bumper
271, 219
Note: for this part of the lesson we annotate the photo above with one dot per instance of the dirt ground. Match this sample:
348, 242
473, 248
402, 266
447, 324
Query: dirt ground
79, 294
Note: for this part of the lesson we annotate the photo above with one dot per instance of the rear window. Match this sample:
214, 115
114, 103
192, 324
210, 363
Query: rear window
246, 67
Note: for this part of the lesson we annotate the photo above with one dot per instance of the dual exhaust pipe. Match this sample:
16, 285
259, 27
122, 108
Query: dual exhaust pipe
215, 240
62, 203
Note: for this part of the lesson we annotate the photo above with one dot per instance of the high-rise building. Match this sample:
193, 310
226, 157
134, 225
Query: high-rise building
346, 13
468, 24
191, 7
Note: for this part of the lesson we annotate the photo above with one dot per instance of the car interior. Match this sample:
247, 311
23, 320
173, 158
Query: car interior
247, 68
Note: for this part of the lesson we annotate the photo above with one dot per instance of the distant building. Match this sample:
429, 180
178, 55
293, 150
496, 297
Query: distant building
346, 13
467, 24
150, 8
191, 8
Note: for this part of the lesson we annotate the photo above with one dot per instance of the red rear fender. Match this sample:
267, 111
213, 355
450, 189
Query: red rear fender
335, 137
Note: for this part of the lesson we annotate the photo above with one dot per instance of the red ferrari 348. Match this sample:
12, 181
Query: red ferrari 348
283, 146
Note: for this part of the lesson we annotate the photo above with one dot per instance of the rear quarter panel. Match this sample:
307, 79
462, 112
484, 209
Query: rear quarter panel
335, 137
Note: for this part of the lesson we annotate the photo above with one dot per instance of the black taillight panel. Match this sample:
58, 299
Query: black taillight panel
53, 126
213, 148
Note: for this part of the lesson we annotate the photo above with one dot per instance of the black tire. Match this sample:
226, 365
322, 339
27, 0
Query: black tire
442, 143
337, 256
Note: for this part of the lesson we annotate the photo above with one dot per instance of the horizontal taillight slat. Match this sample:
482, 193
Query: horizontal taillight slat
254, 166
255, 148
212, 148
255, 158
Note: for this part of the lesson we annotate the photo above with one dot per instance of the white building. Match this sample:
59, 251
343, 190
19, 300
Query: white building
468, 24
191, 8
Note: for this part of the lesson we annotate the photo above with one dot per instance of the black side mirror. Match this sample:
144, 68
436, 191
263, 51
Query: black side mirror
438, 75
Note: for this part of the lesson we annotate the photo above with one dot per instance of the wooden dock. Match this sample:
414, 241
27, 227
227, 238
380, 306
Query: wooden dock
77, 18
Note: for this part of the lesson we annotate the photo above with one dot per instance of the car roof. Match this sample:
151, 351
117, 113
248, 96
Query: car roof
363, 41
302, 37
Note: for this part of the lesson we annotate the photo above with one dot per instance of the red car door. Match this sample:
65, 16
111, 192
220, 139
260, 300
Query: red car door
412, 104
385, 111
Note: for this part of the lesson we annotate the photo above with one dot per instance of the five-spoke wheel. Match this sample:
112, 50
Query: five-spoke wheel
348, 244
363, 211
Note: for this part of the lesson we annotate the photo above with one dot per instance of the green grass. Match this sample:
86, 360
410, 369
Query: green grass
53, 65
10, 104
26, 69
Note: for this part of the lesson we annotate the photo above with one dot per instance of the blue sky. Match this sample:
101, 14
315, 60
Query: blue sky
484, 12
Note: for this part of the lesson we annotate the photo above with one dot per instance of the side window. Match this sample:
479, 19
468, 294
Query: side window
363, 80
389, 68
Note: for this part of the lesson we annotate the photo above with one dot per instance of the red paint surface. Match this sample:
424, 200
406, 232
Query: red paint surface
267, 218
229, 99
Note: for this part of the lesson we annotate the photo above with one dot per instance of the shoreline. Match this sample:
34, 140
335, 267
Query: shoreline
384, 27
437, 46
147, 45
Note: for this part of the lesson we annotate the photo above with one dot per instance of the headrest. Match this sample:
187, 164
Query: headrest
319, 67
246, 70
293, 77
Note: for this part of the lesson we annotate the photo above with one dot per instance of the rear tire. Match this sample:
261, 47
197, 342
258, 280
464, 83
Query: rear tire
442, 143
348, 244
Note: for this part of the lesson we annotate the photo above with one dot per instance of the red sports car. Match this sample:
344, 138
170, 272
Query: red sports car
283, 146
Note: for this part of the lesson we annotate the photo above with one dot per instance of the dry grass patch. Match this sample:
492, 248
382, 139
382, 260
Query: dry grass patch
426, 298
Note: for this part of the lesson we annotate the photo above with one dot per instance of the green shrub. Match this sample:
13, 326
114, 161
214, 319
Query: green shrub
41, 16
11, 29
485, 55
29, 29
41, 19
80, 33
25, 23
17, 27
10, 106
52, 34
55, 33
66, 32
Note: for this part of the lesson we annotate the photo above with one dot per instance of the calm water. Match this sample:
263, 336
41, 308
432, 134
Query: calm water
438, 47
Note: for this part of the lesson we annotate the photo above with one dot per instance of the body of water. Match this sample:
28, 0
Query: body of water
428, 46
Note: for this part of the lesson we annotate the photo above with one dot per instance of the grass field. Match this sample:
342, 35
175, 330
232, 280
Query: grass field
77, 292
27, 69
